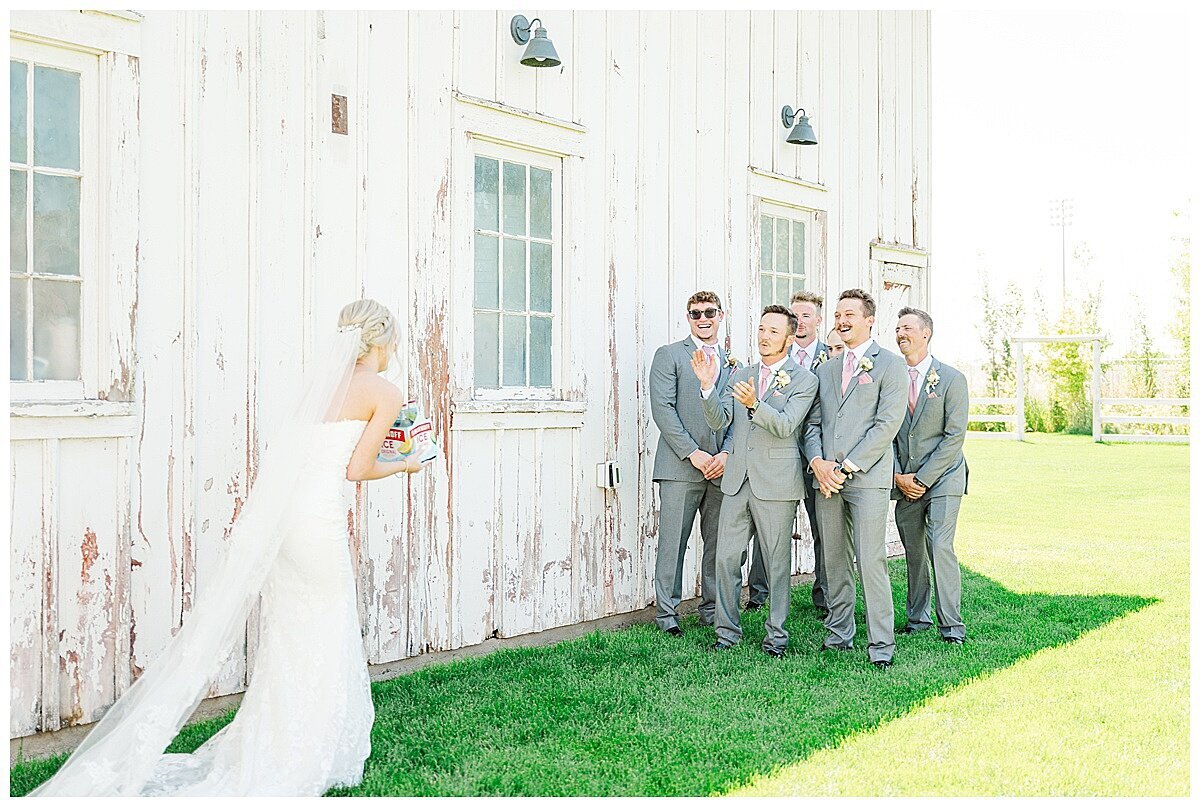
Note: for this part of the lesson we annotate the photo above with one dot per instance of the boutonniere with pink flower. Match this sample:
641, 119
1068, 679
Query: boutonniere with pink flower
931, 381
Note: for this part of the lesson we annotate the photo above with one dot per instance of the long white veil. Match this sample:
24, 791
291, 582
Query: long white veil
120, 753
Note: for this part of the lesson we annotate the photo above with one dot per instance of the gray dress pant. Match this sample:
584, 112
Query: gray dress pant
678, 504
742, 513
857, 516
757, 581
926, 528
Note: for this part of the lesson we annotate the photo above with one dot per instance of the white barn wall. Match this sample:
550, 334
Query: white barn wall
255, 223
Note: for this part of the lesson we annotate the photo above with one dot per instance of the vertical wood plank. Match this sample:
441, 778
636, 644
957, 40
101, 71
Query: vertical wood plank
664, 313
921, 145
388, 264
764, 123
830, 154
222, 290
785, 157
520, 82
117, 297
889, 123
25, 569
477, 32
586, 248
868, 138
623, 402
554, 84
160, 515
428, 365
86, 538
853, 246
51, 696
809, 93
477, 529
902, 186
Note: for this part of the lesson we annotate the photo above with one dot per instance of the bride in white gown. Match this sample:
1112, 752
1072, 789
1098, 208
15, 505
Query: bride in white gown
304, 724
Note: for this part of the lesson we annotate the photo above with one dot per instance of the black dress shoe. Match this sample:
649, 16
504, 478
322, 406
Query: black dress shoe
952, 640
882, 664
773, 652
675, 630
720, 646
752, 606
909, 629
842, 648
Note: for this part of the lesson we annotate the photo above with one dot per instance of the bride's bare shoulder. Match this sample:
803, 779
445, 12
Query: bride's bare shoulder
371, 385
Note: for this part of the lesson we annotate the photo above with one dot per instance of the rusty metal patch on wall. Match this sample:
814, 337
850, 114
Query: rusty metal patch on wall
341, 123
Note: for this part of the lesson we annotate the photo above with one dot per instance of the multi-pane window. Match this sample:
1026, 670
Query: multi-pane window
783, 261
46, 179
515, 256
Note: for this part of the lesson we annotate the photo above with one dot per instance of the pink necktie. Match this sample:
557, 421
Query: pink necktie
805, 360
764, 373
912, 390
710, 352
847, 371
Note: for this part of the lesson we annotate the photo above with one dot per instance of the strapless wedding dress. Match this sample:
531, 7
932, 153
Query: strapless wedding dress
304, 724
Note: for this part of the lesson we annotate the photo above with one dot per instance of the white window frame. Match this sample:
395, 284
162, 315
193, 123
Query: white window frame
554, 164
87, 64
813, 274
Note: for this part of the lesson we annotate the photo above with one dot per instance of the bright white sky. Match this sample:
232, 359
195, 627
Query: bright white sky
1030, 106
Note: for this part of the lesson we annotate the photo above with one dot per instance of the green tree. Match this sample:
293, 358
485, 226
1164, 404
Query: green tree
1181, 325
1002, 317
1069, 366
1143, 352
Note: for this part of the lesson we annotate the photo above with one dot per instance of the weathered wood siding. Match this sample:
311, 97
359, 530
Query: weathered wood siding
256, 223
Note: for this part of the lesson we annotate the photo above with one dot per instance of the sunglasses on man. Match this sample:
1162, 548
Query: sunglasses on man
709, 313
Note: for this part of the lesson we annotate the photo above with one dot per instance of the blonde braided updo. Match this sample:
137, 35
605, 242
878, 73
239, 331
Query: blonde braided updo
378, 326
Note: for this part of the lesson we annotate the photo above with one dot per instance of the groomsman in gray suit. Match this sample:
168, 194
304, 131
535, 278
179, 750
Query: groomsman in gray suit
930, 478
848, 438
763, 405
690, 459
810, 352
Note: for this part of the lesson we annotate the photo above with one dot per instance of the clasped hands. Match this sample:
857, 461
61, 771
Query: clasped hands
829, 478
711, 465
909, 486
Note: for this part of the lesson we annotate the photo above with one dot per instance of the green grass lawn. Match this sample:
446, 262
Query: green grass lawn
1074, 678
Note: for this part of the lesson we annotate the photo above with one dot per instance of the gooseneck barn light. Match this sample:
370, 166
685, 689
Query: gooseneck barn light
802, 134
540, 51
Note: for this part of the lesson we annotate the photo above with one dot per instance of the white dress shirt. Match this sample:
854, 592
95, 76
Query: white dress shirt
811, 350
922, 371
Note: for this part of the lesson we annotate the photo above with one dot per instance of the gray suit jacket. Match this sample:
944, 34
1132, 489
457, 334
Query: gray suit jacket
822, 348
930, 441
764, 447
862, 426
677, 411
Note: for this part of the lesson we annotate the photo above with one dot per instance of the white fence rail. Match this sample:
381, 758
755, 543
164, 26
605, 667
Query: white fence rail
1011, 420
1099, 419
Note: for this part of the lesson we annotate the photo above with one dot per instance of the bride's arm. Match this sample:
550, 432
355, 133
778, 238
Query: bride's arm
364, 462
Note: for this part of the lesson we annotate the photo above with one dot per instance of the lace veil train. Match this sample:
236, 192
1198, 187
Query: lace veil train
119, 755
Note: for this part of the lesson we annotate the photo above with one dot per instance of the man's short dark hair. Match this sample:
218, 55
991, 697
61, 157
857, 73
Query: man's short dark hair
926, 320
704, 297
868, 302
787, 312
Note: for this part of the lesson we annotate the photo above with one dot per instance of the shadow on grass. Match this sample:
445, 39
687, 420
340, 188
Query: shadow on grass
636, 712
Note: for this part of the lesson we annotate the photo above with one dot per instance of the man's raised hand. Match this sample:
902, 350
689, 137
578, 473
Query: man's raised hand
705, 370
